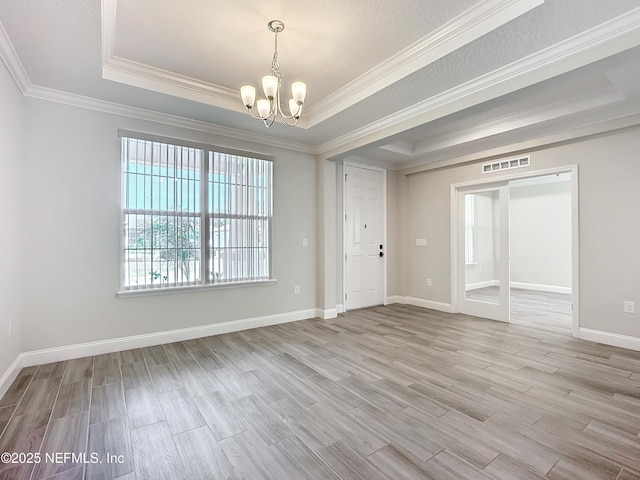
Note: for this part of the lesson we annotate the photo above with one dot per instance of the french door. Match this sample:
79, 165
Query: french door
483, 252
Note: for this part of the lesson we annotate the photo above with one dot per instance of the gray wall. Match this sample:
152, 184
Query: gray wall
72, 230
540, 234
609, 171
10, 218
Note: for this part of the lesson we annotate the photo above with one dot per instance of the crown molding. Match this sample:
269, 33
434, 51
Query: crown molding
10, 58
470, 25
601, 41
80, 101
162, 81
602, 127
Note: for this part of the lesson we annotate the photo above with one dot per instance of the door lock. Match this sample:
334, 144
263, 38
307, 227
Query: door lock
381, 254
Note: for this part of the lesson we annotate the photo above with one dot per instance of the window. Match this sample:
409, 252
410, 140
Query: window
193, 215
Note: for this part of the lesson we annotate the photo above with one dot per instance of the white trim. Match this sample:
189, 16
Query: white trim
10, 58
601, 41
462, 30
158, 80
74, 100
192, 288
9, 375
541, 288
420, 302
340, 308
608, 338
69, 352
395, 299
484, 284
327, 314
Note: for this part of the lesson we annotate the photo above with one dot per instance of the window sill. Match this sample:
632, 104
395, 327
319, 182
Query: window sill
192, 288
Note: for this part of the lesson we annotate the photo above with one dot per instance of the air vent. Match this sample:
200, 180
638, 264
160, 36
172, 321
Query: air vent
506, 164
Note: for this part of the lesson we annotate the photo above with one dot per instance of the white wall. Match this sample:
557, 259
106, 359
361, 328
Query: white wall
608, 177
72, 233
540, 233
10, 218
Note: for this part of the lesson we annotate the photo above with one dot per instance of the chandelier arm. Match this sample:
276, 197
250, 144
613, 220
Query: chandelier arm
284, 119
257, 117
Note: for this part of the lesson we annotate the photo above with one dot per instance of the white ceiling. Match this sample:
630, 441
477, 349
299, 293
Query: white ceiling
391, 82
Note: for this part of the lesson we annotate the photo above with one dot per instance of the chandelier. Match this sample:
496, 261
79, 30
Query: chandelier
269, 108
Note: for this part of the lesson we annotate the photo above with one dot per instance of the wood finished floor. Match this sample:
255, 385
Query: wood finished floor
394, 392
546, 310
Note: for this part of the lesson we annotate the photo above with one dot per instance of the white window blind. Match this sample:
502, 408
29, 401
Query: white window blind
193, 215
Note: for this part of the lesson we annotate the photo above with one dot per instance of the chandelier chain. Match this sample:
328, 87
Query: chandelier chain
275, 66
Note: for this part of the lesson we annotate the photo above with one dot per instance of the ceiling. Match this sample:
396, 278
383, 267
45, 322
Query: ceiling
396, 83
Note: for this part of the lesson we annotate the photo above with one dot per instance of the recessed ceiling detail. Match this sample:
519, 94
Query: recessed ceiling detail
398, 84
476, 21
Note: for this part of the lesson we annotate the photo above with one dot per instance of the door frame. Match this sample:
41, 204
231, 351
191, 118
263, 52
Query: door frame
575, 232
349, 163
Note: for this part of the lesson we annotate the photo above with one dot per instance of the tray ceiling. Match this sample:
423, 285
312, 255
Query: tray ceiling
388, 80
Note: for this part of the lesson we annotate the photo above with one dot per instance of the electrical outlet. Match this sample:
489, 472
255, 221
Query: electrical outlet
629, 307
428, 282
296, 290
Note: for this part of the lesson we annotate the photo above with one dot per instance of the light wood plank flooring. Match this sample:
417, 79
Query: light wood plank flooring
546, 310
394, 392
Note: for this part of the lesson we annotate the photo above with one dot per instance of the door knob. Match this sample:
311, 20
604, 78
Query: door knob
381, 254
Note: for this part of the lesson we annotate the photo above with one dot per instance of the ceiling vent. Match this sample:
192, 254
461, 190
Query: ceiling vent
506, 164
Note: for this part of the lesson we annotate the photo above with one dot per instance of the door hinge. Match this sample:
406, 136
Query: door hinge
345, 176
345, 217
345, 296
345, 257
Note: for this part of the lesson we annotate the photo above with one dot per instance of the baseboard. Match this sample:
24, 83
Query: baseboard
10, 375
419, 302
608, 338
541, 288
484, 284
327, 314
69, 352
395, 299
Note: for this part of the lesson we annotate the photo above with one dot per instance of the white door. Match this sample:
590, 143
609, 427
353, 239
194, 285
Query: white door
483, 252
364, 238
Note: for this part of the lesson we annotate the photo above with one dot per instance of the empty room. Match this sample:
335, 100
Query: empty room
319, 240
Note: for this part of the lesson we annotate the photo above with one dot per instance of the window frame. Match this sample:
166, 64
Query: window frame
204, 215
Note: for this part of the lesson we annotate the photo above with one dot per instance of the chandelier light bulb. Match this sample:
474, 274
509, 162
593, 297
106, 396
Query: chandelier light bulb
248, 94
299, 92
270, 86
264, 108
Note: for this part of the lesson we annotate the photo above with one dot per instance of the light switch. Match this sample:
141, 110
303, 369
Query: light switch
421, 242
305, 242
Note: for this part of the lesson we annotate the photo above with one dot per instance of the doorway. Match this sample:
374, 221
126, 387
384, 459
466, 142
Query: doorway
516, 249
364, 237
